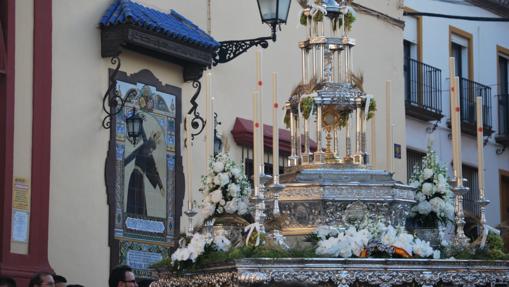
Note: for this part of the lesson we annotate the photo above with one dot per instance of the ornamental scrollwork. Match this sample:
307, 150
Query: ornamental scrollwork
230, 50
197, 122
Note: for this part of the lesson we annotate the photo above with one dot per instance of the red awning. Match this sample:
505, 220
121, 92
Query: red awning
243, 135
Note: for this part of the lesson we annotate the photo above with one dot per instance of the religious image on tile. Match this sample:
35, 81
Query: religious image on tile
148, 163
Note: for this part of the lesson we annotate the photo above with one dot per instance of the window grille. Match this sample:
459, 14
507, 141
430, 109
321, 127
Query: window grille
413, 158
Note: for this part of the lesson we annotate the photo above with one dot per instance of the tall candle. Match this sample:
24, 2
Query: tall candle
373, 141
209, 118
388, 126
456, 131
480, 146
275, 130
212, 126
259, 85
455, 122
256, 158
188, 172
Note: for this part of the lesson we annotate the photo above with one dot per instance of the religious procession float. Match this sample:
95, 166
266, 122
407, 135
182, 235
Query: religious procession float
332, 219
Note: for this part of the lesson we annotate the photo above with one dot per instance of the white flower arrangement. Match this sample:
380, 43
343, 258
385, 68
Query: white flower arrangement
196, 246
356, 241
225, 188
434, 198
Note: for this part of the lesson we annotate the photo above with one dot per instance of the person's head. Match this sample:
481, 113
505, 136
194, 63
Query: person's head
60, 281
122, 276
42, 279
7, 282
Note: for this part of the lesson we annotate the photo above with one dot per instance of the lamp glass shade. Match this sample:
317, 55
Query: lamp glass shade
218, 145
133, 124
274, 11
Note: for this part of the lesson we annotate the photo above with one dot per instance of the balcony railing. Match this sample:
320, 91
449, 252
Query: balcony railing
469, 91
423, 90
503, 119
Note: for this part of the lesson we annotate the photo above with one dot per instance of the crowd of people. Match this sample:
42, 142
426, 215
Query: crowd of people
120, 276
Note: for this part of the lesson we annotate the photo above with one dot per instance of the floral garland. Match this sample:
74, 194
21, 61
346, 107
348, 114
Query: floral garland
375, 240
434, 198
225, 188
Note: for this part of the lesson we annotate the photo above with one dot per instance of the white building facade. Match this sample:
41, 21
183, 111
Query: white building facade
481, 52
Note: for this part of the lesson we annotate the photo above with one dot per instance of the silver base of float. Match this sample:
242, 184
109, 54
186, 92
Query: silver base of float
344, 272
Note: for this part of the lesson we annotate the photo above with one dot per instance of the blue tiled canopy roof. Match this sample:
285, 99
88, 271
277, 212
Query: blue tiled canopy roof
172, 25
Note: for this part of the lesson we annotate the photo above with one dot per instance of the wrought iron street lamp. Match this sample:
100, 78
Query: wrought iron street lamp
218, 142
272, 12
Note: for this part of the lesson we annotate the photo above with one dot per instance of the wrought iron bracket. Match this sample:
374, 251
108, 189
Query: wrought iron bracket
500, 149
197, 122
230, 50
430, 130
113, 102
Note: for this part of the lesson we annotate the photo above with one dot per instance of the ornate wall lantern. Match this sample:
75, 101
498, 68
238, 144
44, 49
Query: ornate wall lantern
218, 142
273, 13
134, 125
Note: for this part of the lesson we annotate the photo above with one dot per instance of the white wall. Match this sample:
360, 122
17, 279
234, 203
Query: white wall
486, 36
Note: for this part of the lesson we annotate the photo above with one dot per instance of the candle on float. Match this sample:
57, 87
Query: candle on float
256, 143
209, 118
212, 127
456, 131
480, 146
275, 130
259, 85
373, 141
188, 172
455, 112
388, 126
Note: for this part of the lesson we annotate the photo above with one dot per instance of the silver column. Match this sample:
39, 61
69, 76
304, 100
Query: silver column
348, 145
358, 131
318, 154
292, 160
305, 155
304, 65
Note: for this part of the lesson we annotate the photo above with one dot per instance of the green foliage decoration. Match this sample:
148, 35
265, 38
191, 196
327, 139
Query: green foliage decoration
337, 22
212, 257
303, 19
318, 17
372, 108
494, 250
286, 120
306, 106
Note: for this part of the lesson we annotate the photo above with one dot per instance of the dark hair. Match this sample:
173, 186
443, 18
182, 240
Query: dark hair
75, 285
145, 282
37, 278
117, 274
59, 278
7, 281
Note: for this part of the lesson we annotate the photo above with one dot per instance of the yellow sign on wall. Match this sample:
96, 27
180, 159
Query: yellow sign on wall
21, 194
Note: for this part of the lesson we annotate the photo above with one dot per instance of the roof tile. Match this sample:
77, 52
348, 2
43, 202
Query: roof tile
172, 24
